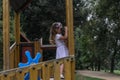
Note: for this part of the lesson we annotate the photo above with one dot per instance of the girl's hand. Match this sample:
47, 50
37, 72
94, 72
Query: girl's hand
66, 28
51, 42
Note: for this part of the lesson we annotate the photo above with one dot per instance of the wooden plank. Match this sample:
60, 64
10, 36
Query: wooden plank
67, 67
5, 77
6, 39
45, 73
36, 46
71, 33
72, 68
57, 71
17, 37
12, 59
33, 73
69, 23
20, 75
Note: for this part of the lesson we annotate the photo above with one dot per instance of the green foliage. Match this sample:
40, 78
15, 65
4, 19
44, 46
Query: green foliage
97, 38
96, 29
0, 9
12, 35
117, 72
38, 17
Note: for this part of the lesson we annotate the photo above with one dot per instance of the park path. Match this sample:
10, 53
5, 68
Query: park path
96, 74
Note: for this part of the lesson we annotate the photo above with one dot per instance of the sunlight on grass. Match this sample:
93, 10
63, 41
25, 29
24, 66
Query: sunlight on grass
117, 72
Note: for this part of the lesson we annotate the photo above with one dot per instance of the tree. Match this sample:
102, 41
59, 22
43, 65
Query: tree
109, 11
38, 17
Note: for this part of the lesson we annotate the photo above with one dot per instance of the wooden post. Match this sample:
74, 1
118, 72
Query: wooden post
6, 41
33, 74
36, 46
17, 38
56, 71
45, 74
20, 75
67, 69
41, 50
69, 23
5, 77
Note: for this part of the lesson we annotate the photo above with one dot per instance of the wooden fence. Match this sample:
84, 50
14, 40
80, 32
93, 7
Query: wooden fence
42, 69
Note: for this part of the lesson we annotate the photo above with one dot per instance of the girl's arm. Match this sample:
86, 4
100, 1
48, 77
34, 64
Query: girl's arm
65, 35
50, 39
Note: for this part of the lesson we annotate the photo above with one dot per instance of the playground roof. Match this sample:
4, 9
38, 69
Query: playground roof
19, 5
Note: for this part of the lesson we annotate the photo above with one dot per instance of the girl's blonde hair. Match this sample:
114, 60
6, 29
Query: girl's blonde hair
53, 31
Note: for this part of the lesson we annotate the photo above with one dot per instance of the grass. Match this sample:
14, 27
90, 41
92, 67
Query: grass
117, 72
78, 77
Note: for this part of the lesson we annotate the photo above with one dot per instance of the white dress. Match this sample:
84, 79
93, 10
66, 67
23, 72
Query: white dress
62, 50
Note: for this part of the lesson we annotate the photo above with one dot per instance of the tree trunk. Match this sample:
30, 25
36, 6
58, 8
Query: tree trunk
113, 57
112, 64
99, 64
113, 61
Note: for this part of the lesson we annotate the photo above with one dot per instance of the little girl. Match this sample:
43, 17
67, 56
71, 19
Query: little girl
57, 38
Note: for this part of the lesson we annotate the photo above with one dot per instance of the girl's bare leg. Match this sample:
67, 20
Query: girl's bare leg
61, 70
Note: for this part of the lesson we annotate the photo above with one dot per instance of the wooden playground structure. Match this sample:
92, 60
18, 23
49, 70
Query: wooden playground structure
12, 54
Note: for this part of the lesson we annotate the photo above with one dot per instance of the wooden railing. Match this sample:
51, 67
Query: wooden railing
35, 46
42, 69
15, 56
12, 56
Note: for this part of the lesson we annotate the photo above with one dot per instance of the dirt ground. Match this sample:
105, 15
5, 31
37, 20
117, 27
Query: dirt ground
96, 74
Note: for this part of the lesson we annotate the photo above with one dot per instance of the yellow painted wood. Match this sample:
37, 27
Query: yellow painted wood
44, 67
67, 67
17, 37
15, 58
33, 74
69, 23
4, 77
71, 33
17, 28
36, 46
6, 40
12, 59
20, 75
12, 47
57, 71
41, 50
73, 69
12, 56
45, 73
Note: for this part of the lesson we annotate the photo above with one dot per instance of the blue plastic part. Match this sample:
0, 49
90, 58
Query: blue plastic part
29, 62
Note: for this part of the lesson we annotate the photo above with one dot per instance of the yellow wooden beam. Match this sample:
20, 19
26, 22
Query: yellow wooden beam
6, 41
57, 71
69, 23
67, 69
33, 73
17, 38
